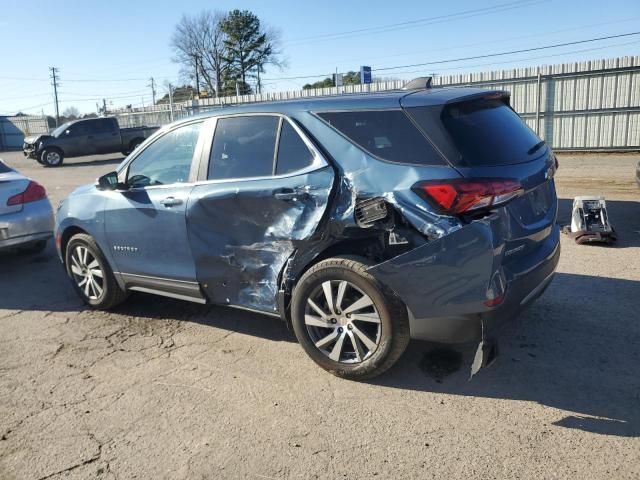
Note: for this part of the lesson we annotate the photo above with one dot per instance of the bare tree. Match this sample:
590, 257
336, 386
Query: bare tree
198, 45
71, 113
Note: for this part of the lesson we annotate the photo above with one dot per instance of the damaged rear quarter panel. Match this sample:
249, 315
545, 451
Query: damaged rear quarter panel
449, 276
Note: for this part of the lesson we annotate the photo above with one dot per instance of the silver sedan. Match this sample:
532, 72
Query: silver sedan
26, 216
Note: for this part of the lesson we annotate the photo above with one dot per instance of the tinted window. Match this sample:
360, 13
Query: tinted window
293, 153
388, 134
4, 168
479, 132
104, 125
243, 147
167, 160
79, 128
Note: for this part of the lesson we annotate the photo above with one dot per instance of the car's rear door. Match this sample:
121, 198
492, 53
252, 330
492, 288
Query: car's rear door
104, 134
263, 191
145, 224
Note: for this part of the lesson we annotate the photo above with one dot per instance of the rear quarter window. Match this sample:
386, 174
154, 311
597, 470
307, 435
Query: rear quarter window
480, 132
386, 134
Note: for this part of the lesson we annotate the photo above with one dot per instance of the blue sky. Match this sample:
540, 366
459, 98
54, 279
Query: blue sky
109, 48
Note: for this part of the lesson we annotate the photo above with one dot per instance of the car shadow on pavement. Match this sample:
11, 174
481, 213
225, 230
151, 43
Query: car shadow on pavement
624, 217
575, 350
39, 283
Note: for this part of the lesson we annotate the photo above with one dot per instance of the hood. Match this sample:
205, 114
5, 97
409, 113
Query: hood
35, 138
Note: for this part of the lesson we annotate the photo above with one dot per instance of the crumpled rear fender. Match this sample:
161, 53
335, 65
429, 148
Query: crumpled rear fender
448, 276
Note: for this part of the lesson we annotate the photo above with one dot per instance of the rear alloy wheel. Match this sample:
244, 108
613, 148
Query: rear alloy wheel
342, 322
90, 274
346, 321
51, 157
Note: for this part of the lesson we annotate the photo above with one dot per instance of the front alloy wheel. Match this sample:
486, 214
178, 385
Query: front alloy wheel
87, 272
90, 273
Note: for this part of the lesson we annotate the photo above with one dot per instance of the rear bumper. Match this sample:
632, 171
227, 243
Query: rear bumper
445, 284
33, 223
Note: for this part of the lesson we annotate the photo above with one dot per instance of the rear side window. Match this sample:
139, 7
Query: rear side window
479, 132
387, 134
293, 153
243, 147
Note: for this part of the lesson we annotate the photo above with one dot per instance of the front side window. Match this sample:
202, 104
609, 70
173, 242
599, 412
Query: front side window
167, 160
387, 134
243, 147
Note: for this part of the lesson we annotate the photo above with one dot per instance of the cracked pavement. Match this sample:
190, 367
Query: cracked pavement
161, 388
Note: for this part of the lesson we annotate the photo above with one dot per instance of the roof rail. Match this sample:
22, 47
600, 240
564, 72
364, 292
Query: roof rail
420, 83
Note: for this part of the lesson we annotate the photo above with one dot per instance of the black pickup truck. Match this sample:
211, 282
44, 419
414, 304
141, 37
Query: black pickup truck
91, 136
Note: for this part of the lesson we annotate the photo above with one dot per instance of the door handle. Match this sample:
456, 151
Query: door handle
288, 193
171, 201
89, 137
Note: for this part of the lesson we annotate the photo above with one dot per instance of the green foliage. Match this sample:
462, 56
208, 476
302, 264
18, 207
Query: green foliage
349, 78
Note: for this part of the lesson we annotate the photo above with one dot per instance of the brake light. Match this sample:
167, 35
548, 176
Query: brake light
33, 192
459, 196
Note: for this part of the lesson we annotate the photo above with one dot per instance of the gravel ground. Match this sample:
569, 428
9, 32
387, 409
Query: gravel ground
168, 389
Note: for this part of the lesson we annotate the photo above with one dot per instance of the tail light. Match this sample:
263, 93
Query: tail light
33, 192
460, 196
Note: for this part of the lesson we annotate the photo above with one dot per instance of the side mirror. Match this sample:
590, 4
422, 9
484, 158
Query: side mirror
108, 181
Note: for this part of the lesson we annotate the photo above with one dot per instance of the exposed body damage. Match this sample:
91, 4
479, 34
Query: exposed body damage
241, 242
448, 247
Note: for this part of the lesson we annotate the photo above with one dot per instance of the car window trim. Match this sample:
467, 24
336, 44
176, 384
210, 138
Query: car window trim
316, 114
319, 160
123, 171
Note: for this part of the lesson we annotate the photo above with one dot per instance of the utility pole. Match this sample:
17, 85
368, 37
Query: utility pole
259, 85
104, 107
54, 82
171, 101
153, 89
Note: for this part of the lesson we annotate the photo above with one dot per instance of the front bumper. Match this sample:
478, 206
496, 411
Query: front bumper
445, 284
33, 223
30, 151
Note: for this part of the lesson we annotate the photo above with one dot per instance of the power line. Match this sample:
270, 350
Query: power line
439, 62
419, 22
511, 52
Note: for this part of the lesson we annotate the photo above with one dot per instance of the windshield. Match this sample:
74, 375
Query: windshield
60, 130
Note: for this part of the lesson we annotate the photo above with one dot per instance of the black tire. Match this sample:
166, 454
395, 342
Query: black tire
51, 157
110, 292
133, 145
392, 331
35, 247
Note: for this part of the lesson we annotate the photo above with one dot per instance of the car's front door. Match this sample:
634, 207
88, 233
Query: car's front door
262, 193
145, 223
75, 140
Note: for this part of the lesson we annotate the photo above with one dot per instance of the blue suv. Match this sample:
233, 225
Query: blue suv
361, 220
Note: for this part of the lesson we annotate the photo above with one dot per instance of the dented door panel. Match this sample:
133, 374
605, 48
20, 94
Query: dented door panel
242, 233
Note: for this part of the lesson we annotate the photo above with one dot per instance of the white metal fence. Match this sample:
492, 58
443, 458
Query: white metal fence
14, 129
591, 105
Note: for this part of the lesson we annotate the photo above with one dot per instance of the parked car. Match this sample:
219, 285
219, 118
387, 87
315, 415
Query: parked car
26, 216
84, 137
361, 220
